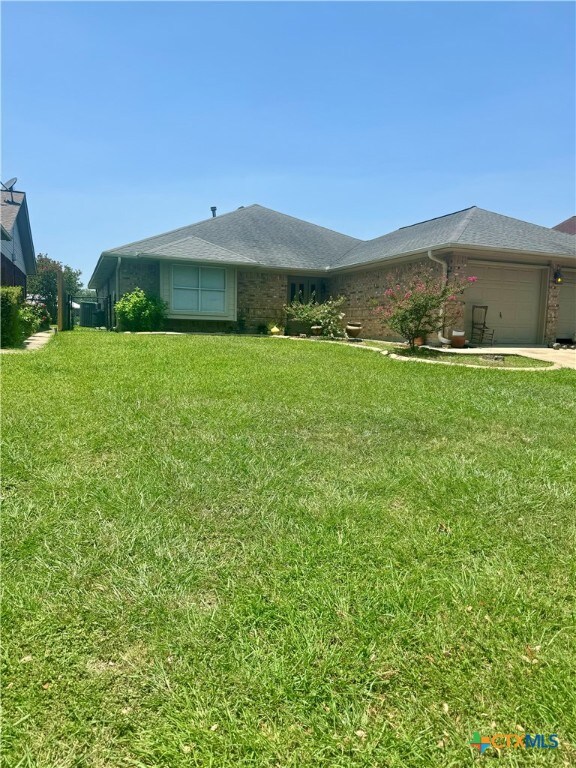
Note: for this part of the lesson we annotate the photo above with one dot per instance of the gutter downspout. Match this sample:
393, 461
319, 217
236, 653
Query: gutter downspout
441, 338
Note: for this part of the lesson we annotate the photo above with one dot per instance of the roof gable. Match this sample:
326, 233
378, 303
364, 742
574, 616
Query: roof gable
14, 214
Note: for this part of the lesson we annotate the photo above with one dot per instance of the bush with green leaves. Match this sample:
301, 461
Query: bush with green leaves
305, 311
40, 311
20, 320
328, 314
29, 320
10, 303
139, 311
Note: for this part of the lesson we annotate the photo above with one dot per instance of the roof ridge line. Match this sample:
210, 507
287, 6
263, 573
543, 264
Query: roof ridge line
305, 221
208, 242
465, 223
177, 229
550, 230
426, 221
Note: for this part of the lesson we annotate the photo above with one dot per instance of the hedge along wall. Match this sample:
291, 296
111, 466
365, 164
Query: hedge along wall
10, 302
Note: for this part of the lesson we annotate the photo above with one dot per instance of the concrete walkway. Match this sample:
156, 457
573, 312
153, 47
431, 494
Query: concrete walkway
566, 358
34, 342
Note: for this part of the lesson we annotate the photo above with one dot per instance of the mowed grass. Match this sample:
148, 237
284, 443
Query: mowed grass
227, 551
486, 358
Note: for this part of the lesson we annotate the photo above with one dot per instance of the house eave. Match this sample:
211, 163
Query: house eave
540, 257
543, 256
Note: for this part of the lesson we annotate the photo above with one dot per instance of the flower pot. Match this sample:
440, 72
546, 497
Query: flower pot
275, 330
419, 341
458, 339
316, 330
353, 330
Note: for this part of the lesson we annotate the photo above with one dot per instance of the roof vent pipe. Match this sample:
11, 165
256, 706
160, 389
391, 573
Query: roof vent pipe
213, 209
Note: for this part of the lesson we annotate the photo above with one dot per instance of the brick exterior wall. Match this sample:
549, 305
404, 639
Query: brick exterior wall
139, 273
261, 297
552, 307
364, 289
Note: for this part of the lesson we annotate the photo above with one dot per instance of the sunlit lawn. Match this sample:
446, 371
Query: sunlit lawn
227, 551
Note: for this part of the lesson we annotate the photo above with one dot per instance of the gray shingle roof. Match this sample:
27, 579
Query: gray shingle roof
255, 235
259, 236
13, 208
470, 227
9, 210
196, 249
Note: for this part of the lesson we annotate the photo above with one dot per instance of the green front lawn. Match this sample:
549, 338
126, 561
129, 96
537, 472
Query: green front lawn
227, 551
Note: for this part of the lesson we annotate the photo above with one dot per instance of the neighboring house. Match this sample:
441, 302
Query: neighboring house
568, 226
18, 259
249, 263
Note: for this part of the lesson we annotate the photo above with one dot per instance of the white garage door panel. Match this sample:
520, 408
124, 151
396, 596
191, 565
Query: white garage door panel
513, 300
567, 310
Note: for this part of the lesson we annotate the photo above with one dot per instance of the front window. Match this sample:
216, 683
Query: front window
199, 289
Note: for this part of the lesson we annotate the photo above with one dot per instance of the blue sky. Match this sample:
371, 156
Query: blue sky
123, 120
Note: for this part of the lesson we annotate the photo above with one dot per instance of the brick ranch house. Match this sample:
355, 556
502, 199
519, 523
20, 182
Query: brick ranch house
247, 264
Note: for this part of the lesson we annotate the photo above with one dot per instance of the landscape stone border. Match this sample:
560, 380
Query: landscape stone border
393, 356
551, 367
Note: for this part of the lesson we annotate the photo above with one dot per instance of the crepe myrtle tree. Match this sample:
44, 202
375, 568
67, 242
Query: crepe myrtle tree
417, 302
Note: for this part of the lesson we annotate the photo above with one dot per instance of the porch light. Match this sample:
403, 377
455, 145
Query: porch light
558, 277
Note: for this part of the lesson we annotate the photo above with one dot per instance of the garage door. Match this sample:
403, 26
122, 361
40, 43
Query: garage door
513, 297
567, 310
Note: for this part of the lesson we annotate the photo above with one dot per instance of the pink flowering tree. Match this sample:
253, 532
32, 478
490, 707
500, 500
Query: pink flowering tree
418, 302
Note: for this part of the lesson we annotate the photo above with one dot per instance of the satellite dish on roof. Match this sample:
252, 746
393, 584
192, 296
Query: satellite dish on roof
8, 186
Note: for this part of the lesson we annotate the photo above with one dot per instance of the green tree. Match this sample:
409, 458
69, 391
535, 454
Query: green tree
44, 286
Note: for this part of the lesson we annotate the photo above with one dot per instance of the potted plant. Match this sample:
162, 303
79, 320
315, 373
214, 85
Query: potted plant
353, 330
316, 330
458, 339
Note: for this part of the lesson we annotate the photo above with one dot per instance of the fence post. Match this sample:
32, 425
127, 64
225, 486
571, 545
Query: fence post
61, 301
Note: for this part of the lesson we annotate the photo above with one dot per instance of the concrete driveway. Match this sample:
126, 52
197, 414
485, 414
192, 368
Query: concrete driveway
564, 357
